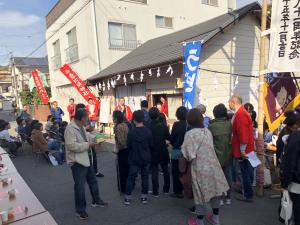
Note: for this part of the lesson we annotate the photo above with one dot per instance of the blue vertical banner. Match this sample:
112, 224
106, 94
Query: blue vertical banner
192, 52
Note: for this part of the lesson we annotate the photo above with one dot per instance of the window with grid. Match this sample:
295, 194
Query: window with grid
72, 50
164, 22
56, 59
122, 36
210, 2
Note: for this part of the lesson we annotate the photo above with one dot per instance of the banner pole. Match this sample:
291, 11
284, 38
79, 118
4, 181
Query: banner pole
260, 141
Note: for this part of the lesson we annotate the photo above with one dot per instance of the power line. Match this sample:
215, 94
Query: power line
44, 42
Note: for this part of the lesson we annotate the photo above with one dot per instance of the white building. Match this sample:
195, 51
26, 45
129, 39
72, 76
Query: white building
90, 35
230, 47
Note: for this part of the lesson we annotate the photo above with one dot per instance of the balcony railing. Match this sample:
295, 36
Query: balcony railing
124, 44
56, 62
72, 54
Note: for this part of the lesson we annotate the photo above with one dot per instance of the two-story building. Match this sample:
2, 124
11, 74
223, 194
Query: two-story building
90, 35
21, 68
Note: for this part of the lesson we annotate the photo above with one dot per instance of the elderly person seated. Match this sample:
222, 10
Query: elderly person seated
6, 141
40, 144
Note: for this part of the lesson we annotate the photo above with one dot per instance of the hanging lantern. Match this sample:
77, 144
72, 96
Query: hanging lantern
112, 83
108, 85
118, 77
142, 76
158, 72
103, 86
150, 73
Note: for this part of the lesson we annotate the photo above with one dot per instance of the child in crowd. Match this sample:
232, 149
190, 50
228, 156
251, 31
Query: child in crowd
159, 154
139, 143
177, 136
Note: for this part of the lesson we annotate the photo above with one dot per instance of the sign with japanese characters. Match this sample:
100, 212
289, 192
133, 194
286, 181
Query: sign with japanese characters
191, 67
280, 95
79, 84
39, 86
285, 36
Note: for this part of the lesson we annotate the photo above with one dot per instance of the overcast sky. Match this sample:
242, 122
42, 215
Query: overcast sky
22, 25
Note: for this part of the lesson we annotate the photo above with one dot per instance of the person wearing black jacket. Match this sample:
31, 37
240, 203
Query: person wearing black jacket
177, 138
290, 171
159, 154
290, 126
139, 144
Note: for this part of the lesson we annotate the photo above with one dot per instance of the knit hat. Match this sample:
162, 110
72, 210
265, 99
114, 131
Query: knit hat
202, 108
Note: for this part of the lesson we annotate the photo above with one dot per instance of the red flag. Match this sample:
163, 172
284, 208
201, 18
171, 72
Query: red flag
40, 87
79, 84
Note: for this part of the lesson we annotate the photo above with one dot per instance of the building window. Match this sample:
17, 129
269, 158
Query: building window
122, 36
72, 50
164, 22
138, 1
210, 2
56, 59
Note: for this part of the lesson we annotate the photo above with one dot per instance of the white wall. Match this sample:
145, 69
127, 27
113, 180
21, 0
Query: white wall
235, 51
185, 13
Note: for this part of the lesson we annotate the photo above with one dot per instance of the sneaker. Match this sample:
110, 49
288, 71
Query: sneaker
176, 195
98, 174
221, 202
150, 192
192, 221
228, 201
101, 204
82, 216
144, 200
127, 201
209, 218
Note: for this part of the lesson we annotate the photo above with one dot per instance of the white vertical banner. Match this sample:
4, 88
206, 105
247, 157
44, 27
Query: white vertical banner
285, 36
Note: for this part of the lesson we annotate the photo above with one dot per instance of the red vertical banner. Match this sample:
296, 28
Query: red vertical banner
40, 87
79, 84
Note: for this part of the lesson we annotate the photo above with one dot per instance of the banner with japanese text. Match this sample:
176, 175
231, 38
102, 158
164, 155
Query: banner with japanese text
280, 95
79, 84
191, 64
39, 86
285, 36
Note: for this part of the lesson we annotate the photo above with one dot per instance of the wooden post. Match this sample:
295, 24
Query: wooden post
260, 142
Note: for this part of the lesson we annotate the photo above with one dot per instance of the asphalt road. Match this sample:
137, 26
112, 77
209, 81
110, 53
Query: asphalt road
54, 188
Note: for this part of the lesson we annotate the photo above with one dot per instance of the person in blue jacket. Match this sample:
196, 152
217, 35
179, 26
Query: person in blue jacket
57, 112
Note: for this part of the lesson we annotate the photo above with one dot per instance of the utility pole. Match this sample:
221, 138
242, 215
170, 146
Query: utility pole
260, 142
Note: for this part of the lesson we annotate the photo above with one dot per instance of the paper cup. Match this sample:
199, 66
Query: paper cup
4, 216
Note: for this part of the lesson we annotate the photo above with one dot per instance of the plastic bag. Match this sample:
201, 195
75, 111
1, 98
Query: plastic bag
286, 207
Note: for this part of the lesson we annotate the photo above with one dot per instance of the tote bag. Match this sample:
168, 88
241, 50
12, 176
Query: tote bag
286, 211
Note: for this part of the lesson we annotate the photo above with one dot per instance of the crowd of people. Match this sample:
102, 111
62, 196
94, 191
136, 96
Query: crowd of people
207, 157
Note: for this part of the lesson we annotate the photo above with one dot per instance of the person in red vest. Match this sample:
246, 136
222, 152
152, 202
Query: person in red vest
164, 106
242, 144
125, 109
71, 108
93, 111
